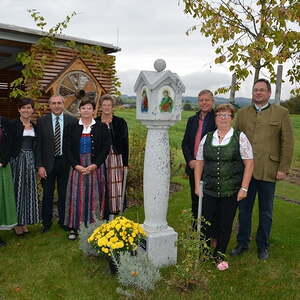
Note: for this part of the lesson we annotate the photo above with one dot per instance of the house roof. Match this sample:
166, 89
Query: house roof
29, 36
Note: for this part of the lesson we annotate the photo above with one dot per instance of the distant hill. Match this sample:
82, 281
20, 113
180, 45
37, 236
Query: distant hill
240, 101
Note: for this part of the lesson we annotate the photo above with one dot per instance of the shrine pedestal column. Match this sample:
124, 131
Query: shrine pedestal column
161, 238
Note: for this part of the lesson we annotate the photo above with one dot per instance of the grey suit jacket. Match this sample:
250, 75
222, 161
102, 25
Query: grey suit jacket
45, 140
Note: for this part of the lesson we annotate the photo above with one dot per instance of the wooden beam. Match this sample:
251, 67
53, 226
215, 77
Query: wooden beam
4, 54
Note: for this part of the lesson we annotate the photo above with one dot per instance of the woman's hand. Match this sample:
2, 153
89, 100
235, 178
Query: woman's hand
199, 190
241, 195
91, 168
80, 169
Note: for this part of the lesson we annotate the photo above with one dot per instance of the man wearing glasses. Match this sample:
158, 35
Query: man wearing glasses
268, 127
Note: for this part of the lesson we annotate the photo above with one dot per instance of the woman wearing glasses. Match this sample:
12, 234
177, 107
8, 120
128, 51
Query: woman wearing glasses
225, 159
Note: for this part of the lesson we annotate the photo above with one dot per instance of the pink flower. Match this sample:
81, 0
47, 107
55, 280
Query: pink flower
223, 265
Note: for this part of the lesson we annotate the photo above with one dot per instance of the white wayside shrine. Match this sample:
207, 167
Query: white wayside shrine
158, 106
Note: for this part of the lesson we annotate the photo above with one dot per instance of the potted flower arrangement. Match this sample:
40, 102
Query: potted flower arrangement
117, 236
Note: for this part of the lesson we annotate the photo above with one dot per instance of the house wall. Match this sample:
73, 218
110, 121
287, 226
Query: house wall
52, 70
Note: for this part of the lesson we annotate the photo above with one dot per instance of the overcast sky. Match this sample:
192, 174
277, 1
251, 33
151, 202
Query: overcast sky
144, 30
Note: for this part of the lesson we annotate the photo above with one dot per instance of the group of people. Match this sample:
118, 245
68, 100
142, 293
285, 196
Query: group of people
229, 164
85, 159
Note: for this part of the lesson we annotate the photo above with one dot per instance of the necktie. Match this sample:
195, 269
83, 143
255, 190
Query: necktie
57, 138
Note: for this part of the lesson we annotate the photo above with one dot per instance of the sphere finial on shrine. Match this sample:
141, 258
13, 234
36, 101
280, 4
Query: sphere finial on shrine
159, 65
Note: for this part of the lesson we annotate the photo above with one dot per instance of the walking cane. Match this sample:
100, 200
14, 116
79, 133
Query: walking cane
123, 190
200, 206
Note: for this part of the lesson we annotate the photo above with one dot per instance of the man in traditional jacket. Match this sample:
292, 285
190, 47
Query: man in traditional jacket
269, 129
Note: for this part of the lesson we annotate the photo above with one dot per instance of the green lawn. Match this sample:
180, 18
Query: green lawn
48, 266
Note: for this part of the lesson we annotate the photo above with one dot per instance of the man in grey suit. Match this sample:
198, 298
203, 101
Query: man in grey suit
51, 163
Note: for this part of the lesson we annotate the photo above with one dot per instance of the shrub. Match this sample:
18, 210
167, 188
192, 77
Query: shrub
187, 107
137, 144
137, 271
137, 141
293, 105
194, 252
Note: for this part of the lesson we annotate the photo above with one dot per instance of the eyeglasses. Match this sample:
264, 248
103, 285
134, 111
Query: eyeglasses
260, 90
224, 116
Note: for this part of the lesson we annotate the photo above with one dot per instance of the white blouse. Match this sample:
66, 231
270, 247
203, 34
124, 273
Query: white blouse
87, 130
245, 146
28, 132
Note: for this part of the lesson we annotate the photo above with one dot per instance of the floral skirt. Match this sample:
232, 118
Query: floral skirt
85, 195
8, 216
24, 177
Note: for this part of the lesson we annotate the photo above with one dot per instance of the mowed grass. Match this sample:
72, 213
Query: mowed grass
48, 266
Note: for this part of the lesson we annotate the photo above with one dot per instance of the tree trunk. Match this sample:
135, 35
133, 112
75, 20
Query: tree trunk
256, 74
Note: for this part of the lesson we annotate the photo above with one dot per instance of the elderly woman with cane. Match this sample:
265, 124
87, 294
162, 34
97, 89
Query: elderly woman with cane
225, 160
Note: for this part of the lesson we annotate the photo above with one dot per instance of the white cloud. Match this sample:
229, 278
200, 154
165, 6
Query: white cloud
147, 30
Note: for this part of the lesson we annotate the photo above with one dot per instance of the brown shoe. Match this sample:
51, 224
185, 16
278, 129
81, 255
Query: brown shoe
19, 230
25, 229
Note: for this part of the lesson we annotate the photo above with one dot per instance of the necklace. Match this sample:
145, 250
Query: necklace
106, 119
26, 124
221, 136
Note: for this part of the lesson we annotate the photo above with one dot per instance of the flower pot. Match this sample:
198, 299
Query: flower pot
112, 266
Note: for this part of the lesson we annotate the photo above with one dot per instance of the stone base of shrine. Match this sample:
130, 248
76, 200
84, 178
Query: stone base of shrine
161, 247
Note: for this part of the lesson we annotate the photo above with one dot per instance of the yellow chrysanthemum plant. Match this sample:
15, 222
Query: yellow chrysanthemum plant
116, 236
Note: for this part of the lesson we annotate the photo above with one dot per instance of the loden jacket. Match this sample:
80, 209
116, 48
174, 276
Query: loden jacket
270, 134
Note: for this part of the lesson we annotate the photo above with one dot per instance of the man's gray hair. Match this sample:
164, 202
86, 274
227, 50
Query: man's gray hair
57, 96
206, 92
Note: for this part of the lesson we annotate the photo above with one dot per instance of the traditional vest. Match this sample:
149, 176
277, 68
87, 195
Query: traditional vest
223, 167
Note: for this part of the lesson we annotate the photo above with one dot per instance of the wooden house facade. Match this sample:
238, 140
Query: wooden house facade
67, 73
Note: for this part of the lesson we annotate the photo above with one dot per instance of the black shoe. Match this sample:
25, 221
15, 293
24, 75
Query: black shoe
238, 250
46, 228
73, 234
2, 243
262, 254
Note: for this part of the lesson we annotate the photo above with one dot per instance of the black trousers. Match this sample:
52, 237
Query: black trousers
220, 212
195, 203
59, 174
194, 197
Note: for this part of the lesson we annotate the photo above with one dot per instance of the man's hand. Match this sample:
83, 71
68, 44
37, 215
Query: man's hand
280, 175
42, 172
1, 165
192, 164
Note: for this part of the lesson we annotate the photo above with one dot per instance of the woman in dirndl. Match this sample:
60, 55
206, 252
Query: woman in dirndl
116, 163
86, 147
8, 217
23, 167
